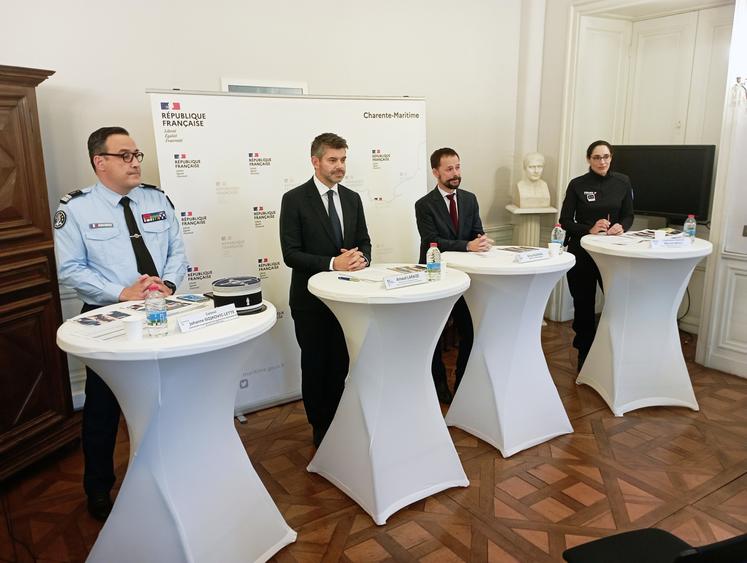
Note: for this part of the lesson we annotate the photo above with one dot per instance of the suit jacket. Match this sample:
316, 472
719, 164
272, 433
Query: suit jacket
434, 222
307, 241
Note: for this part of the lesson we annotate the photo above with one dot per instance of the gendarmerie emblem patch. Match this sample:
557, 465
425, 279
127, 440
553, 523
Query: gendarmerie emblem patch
59, 219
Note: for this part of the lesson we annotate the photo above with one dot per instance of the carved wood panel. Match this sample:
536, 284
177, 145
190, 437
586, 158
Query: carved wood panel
35, 399
23, 213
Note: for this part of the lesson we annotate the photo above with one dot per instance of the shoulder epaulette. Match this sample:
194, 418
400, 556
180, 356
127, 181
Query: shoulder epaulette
71, 195
152, 187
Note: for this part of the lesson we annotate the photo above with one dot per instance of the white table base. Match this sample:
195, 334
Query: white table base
388, 445
636, 359
190, 494
507, 396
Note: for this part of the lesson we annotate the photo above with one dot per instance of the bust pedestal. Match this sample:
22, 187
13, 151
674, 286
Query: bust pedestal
527, 223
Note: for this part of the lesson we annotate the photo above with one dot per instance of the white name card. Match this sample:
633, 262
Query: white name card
674, 242
403, 280
532, 255
207, 318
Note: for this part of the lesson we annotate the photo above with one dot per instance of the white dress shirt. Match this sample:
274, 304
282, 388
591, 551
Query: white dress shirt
444, 193
323, 189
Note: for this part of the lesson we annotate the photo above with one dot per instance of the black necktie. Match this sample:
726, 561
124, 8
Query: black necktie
334, 219
145, 264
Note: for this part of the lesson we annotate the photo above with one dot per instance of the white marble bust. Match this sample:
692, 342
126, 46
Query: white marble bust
532, 190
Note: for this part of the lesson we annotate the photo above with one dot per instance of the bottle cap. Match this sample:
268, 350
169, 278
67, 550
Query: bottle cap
152, 287
557, 224
691, 216
434, 244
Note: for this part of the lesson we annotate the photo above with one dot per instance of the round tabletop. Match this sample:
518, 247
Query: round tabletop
501, 262
72, 340
369, 287
610, 245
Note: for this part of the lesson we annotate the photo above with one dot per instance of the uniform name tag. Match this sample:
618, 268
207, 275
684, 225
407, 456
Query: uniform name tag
155, 216
591, 196
101, 225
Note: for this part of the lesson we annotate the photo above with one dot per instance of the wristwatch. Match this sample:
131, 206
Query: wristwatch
170, 285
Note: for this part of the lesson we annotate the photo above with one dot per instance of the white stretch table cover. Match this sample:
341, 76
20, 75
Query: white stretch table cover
636, 359
190, 493
388, 445
507, 396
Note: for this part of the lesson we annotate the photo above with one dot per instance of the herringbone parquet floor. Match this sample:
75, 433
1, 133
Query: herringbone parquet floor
680, 470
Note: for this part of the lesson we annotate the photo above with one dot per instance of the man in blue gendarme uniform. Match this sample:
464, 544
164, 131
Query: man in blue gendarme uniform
113, 240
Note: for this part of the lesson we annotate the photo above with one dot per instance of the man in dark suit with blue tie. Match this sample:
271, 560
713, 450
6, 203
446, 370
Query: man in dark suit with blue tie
322, 228
451, 218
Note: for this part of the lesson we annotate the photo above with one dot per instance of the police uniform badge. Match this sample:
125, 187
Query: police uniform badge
59, 219
154, 216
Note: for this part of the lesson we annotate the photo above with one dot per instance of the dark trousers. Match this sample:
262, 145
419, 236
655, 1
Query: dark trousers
324, 364
582, 283
99, 434
466, 333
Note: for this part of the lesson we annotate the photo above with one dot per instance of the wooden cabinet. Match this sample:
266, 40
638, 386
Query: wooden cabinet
36, 415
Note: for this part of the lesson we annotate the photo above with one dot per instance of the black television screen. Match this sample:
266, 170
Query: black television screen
670, 181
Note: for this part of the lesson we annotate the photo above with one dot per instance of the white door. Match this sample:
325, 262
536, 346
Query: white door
602, 71
706, 108
659, 88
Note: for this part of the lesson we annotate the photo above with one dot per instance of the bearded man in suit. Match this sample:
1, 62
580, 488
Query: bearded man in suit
451, 218
322, 228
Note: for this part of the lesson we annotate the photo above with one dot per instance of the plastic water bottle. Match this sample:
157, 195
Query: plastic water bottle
690, 226
557, 234
433, 262
156, 322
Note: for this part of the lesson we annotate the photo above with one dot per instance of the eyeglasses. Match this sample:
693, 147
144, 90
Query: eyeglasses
127, 156
604, 157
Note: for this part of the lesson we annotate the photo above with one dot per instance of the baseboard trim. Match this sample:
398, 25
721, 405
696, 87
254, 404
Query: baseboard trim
734, 367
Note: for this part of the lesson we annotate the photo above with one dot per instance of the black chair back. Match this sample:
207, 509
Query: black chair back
733, 550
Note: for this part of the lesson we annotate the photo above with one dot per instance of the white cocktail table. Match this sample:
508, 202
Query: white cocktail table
636, 359
388, 445
190, 493
507, 396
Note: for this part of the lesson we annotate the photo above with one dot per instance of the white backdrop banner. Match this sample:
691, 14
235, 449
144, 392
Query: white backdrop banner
225, 160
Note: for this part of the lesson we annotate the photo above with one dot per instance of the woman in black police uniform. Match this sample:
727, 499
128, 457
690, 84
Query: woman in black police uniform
599, 202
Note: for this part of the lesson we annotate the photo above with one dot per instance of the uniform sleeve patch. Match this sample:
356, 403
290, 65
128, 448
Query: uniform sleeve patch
59, 219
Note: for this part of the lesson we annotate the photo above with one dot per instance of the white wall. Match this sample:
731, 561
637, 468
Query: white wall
463, 59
